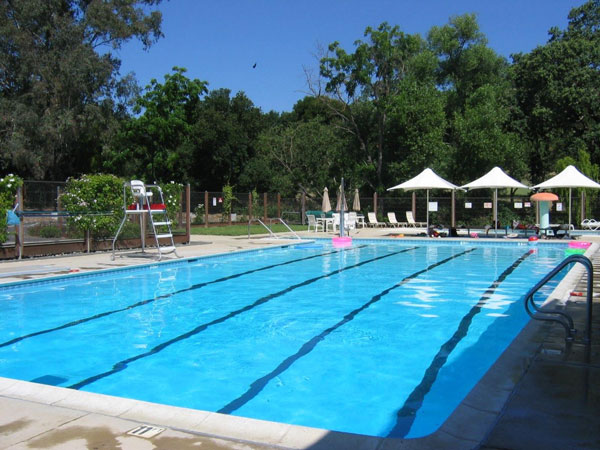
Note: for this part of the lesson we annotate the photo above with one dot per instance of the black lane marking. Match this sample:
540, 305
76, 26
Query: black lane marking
122, 365
407, 414
307, 347
160, 297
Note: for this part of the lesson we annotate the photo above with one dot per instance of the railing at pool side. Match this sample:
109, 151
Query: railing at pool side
273, 235
564, 319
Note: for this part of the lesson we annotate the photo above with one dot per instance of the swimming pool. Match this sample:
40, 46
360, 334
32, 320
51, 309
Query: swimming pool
382, 338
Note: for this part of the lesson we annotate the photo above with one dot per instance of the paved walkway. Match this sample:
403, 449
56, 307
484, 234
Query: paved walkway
554, 405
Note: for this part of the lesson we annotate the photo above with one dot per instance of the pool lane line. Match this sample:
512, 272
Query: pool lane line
309, 346
407, 414
161, 297
122, 365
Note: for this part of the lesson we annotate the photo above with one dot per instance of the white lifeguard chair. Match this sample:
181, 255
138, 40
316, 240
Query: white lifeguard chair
143, 207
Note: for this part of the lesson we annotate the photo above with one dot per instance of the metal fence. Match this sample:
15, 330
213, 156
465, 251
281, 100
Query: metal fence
45, 220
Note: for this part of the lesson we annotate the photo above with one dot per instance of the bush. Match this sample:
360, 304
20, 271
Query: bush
8, 190
97, 201
45, 231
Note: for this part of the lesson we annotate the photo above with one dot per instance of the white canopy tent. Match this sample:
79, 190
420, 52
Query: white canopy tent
495, 179
427, 180
570, 178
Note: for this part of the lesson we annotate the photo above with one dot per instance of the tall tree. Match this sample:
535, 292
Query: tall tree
158, 143
371, 74
59, 79
557, 89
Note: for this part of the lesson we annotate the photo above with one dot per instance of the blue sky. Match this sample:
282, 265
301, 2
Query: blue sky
220, 40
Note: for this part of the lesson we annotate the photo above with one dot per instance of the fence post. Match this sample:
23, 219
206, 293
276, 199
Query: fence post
375, 202
20, 229
278, 205
205, 209
59, 208
249, 207
302, 207
414, 205
188, 213
265, 207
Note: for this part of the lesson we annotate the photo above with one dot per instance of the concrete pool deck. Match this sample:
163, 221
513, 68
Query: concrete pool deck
541, 393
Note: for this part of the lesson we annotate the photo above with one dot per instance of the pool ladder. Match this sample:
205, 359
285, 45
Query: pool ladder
562, 318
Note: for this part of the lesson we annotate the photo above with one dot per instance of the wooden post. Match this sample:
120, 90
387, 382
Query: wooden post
188, 213
20, 229
59, 208
265, 207
278, 205
205, 209
375, 203
414, 205
583, 212
249, 207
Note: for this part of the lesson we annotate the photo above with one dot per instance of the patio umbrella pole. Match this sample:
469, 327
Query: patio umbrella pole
569, 208
427, 210
496, 213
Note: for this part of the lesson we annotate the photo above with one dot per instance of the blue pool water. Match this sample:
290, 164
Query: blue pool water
382, 338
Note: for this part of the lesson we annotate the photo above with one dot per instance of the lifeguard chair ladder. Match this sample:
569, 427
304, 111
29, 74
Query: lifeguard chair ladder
143, 206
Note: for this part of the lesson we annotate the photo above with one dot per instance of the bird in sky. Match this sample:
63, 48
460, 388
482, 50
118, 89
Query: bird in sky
254, 66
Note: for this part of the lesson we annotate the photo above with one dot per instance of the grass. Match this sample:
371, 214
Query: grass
242, 229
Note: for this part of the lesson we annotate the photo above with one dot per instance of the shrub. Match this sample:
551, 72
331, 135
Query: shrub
8, 190
97, 204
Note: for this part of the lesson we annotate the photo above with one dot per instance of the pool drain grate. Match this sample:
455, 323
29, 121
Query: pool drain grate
146, 431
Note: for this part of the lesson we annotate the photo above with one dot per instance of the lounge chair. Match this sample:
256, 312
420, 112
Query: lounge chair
373, 220
312, 222
411, 220
393, 221
590, 224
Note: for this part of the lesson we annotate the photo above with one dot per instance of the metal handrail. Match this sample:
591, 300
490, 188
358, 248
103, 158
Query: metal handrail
569, 327
274, 236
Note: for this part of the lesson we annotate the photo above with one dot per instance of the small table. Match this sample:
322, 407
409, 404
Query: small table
325, 221
360, 219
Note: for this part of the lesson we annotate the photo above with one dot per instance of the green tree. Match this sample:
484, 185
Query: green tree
417, 131
157, 145
59, 84
300, 157
371, 74
557, 91
224, 133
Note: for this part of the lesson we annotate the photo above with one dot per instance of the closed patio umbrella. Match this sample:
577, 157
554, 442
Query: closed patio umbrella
495, 179
341, 199
326, 204
427, 180
570, 178
356, 201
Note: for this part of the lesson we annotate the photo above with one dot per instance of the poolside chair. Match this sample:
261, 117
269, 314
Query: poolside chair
411, 220
312, 222
352, 220
373, 220
590, 224
393, 221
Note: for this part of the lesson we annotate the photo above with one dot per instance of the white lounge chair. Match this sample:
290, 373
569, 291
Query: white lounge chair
393, 221
312, 222
590, 224
373, 220
411, 220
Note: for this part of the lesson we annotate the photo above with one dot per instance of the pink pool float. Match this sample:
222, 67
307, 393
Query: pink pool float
342, 241
579, 244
